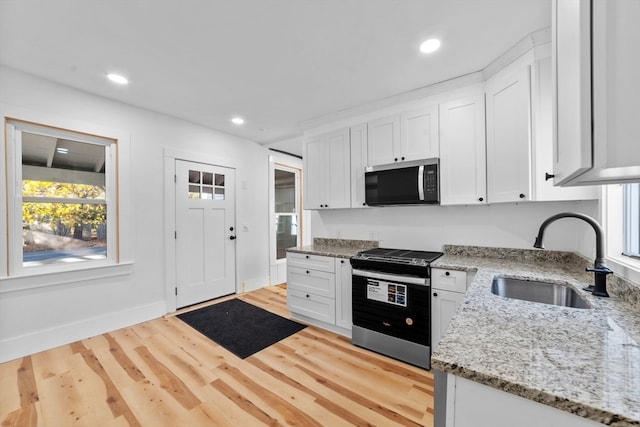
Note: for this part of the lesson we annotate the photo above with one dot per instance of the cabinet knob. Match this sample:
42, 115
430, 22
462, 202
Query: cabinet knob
481, 199
402, 158
307, 271
307, 256
342, 261
307, 295
548, 176
447, 273
435, 294
326, 206
364, 204
395, 160
521, 196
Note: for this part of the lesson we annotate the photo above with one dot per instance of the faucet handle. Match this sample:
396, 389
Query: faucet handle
605, 270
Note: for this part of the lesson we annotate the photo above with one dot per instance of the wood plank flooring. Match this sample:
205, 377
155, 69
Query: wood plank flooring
163, 373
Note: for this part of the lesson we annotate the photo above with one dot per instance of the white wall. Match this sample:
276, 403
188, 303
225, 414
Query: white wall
36, 319
430, 227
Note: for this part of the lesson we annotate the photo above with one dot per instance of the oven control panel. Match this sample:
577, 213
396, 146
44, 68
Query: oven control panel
387, 292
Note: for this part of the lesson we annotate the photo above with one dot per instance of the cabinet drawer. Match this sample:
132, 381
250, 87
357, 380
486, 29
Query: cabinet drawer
310, 305
449, 280
311, 262
311, 281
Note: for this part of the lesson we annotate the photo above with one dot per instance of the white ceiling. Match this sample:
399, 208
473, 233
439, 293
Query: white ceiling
277, 63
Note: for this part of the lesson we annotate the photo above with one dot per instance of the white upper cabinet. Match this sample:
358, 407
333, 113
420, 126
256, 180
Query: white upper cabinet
358, 164
383, 137
419, 134
463, 178
412, 135
509, 135
327, 166
542, 132
596, 103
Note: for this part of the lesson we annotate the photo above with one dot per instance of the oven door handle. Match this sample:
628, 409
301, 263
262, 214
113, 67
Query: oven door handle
411, 280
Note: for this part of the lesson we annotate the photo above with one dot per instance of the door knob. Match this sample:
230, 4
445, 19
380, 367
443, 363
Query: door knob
232, 237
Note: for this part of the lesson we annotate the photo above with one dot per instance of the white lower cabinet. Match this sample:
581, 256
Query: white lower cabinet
447, 291
471, 404
319, 291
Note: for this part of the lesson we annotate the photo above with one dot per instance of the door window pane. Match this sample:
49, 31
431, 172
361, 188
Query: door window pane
285, 211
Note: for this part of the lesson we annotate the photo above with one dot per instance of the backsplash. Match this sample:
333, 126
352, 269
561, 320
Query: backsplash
345, 243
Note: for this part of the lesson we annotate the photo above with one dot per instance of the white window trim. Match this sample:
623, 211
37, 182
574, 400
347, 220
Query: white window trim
122, 263
623, 266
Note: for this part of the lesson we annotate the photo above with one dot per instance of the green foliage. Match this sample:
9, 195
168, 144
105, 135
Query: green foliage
67, 214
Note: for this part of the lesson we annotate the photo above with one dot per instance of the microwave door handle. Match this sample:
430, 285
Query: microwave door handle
421, 182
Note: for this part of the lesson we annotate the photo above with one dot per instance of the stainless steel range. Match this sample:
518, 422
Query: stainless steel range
391, 305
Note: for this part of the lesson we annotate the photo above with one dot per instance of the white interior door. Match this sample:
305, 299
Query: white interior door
205, 232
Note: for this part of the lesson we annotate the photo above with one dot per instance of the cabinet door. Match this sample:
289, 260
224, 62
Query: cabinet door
383, 136
311, 281
571, 59
443, 306
312, 305
462, 152
419, 134
542, 135
358, 143
616, 91
508, 136
337, 172
343, 293
314, 171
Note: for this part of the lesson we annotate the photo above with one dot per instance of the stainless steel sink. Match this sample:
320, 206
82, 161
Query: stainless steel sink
534, 291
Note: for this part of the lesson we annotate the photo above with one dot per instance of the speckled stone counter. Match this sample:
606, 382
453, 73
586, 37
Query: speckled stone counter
339, 248
583, 361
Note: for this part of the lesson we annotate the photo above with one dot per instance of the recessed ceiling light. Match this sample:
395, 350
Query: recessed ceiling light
117, 78
237, 120
430, 45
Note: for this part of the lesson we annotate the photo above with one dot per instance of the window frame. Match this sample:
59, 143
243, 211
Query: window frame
120, 259
631, 220
612, 208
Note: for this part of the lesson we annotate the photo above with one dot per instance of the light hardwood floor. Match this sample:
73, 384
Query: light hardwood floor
163, 373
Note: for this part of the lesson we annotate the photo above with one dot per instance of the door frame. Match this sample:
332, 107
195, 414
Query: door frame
276, 264
170, 156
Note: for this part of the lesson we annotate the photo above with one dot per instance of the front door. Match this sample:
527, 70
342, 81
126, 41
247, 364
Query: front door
205, 232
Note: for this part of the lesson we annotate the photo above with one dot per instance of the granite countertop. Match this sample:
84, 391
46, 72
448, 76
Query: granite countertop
339, 248
583, 361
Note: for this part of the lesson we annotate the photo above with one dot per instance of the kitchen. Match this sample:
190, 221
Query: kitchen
512, 224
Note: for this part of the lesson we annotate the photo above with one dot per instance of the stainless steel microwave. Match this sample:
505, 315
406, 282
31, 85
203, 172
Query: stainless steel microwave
409, 183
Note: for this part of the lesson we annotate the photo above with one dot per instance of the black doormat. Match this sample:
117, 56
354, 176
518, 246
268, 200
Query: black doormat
240, 327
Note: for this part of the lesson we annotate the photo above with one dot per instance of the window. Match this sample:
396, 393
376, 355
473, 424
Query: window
631, 220
64, 202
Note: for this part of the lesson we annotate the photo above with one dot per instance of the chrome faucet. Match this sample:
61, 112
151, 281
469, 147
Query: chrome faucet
600, 268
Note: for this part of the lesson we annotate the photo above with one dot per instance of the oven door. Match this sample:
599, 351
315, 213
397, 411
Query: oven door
394, 305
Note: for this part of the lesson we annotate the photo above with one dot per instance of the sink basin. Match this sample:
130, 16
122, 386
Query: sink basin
534, 291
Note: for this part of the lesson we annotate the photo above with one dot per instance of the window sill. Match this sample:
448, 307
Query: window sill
44, 279
626, 267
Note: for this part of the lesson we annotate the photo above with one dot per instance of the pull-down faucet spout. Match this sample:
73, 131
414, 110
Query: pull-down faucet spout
600, 268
